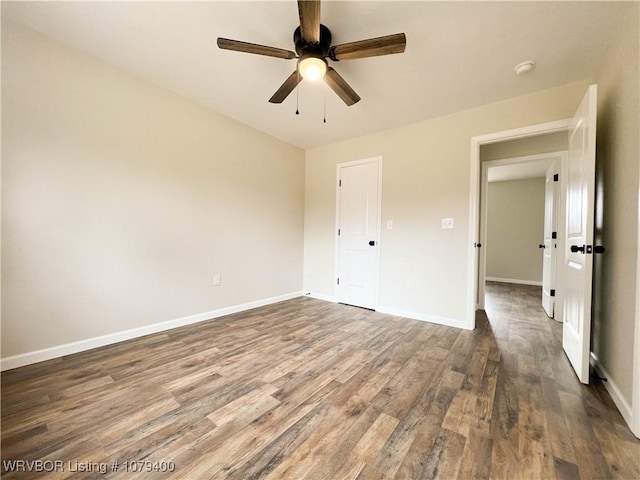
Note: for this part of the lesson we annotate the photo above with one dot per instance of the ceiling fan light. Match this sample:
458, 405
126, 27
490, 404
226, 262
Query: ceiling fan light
312, 68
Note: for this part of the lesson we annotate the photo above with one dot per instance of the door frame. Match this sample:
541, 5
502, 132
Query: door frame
376, 280
561, 156
474, 198
558, 215
635, 394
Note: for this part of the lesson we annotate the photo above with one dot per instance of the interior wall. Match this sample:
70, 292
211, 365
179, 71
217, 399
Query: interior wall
426, 176
618, 158
515, 228
120, 201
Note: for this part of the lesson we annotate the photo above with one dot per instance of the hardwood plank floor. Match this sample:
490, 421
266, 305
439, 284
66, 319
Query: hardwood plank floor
306, 389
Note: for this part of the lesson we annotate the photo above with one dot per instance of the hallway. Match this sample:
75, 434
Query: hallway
541, 404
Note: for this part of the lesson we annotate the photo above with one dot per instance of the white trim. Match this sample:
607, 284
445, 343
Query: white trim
561, 226
612, 388
474, 198
449, 322
320, 296
474, 232
523, 132
36, 356
513, 280
482, 233
525, 159
377, 159
635, 423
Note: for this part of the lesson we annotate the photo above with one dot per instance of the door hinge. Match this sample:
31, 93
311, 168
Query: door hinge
339, 183
556, 177
338, 232
553, 292
554, 234
338, 281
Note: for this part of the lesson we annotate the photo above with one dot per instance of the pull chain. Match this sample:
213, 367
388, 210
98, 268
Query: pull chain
298, 94
324, 120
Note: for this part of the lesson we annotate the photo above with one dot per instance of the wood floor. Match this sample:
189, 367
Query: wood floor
309, 389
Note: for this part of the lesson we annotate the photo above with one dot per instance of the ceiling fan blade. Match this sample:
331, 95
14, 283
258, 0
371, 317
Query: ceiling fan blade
247, 47
373, 47
341, 87
286, 88
309, 11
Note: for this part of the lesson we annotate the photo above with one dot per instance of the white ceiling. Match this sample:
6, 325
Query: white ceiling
459, 54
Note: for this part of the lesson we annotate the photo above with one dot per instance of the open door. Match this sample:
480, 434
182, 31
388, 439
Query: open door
577, 262
550, 239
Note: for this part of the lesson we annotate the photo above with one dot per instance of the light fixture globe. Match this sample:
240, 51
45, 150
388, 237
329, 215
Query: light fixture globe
312, 68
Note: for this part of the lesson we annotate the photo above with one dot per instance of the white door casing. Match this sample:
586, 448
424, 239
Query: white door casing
550, 243
358, 262
473, 270
577, 262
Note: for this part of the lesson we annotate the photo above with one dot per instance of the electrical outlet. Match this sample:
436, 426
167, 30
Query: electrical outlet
217, 280
447, 222
389, 224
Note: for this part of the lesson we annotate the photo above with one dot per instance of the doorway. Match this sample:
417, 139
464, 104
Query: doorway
520, 203
473, 285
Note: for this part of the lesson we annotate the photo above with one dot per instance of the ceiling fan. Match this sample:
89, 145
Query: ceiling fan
313, 46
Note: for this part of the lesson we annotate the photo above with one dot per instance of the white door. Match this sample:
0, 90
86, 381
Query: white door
578, 255
358, 232
550, 239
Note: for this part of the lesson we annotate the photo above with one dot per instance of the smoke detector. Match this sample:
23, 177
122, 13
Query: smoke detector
524, 67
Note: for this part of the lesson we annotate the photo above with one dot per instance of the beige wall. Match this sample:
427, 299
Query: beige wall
426, 176
121, 200
618, 158
515, 228
552, 142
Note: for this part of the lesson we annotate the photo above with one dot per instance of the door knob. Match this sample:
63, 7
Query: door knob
599, 249
541, 245
372, 243
576, 248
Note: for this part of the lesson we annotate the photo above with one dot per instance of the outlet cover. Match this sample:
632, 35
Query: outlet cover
447, 222
217, 280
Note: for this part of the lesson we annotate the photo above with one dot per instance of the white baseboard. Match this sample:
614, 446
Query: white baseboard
614, 391
449, 322
29, 358
513, 280
319, 296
